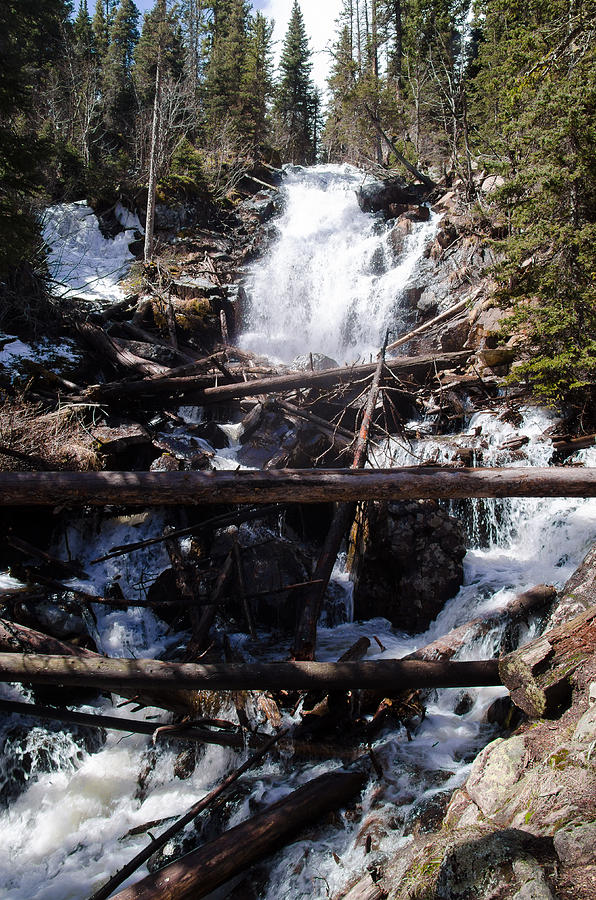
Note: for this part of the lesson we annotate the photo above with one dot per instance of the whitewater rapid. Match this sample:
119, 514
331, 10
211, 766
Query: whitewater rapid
332, 283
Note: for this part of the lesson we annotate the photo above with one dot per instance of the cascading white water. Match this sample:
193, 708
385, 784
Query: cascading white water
331, 283
64, 833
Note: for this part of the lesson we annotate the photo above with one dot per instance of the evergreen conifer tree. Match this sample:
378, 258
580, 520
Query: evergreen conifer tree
118, 91
294, 94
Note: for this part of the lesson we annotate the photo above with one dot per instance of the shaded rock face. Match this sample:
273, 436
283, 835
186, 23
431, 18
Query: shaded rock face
410, 563
379, 195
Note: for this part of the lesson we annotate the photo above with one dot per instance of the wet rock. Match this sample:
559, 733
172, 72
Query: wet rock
427, 814
267, 568
166, 463
59, 616
28, 752
409, 564
318, 362
185, 763
213, 434
378, 195
578, 593
463, 705
398, 235
504, 713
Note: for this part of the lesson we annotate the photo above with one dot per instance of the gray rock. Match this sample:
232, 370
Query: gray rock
575, 845
495, 771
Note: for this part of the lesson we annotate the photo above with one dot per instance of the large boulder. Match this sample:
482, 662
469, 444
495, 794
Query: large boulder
377, 196
409, 564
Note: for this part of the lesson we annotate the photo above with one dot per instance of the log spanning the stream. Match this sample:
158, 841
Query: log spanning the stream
290, 485
389, 676
193, 389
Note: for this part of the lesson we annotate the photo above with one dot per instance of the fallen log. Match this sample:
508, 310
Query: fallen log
190, 733
290, 485
119, 675
430, 324
539, 674
19, 640
126, 871
193, 389
200, 872
110, 349
306, 629
446, 647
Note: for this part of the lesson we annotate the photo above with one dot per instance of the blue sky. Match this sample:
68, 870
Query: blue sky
319, 18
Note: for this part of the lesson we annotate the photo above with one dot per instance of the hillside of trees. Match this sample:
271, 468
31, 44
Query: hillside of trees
448, 86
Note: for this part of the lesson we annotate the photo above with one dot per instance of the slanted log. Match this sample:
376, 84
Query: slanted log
120, 675
290, 485
446, 647
193, 389
539, 674
442, 317
306, 629
110, 349
157, 843
158, 730
200, 872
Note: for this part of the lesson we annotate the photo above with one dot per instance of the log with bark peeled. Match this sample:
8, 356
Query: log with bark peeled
290, 485
446, 647
193, 389
200, 872
539, 674
149, 674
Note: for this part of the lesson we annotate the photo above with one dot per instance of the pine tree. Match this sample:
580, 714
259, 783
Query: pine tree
161, 33
257, 85
31, 38
84, 39
118, 91
294, 95
223, 83
101, 29
535, 108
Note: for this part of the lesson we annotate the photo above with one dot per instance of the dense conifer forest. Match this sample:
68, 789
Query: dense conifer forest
447, 86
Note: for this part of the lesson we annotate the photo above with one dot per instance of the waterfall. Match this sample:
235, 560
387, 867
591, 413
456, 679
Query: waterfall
330, 285
332, 282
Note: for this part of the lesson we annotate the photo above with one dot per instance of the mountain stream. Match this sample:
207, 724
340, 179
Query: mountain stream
330, 284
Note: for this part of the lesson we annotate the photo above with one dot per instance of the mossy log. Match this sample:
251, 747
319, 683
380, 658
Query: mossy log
539, 675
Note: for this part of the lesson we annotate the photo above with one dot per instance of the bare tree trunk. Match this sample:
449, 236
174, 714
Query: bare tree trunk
306, 631
152, 187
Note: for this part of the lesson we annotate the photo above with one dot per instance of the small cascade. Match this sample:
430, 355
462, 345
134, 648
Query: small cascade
332, 282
